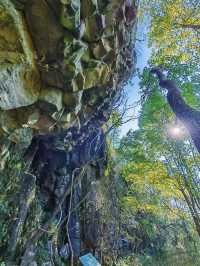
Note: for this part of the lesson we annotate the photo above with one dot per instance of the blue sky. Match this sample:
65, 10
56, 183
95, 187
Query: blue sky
132, 90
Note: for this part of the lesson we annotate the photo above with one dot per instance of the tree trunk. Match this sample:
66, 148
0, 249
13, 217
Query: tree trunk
186, 114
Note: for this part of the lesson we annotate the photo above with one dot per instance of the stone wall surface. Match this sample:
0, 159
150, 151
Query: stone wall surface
54, 53
63, 64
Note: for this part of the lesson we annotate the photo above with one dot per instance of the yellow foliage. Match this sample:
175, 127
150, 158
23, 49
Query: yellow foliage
171, 22
150, 184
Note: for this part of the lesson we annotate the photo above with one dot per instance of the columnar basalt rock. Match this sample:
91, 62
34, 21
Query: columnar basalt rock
51, 49
63, 64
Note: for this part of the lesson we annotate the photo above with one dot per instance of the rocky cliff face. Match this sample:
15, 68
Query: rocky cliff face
63, 64
60, 60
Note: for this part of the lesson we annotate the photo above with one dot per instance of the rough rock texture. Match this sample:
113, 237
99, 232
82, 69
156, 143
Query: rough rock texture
52, 52
19, 77
63, 65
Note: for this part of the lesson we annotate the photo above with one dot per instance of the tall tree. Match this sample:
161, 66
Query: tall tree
188, 116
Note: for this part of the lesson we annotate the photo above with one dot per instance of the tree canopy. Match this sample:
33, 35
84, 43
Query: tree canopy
160, 165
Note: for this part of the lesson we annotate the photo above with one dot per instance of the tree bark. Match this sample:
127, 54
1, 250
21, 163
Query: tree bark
186, 114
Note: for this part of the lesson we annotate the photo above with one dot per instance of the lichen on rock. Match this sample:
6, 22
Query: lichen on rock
17, 86
63, 64
43, 56
19, 79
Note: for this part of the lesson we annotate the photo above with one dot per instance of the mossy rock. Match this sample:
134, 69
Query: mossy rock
89, 8
19, 86
53, 51
52, 96
73, 101
8, 121
45, 29
19, 79
94, 27
70, 15
91, 77
98, 76
98, 50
